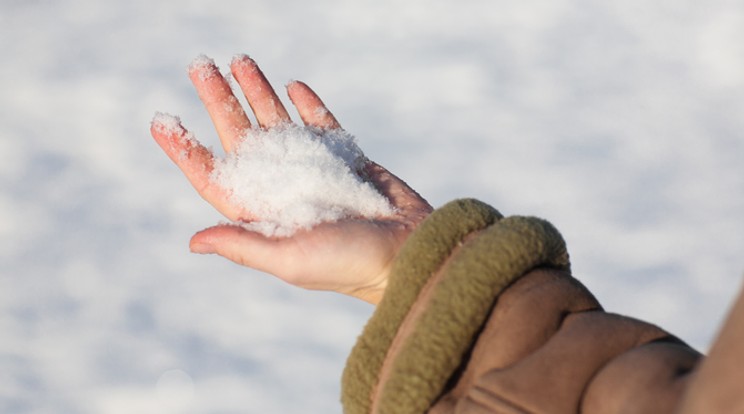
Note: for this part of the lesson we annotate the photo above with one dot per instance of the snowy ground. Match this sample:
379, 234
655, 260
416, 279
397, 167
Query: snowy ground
622, 122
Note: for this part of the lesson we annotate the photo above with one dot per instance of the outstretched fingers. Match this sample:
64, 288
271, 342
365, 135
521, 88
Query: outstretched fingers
311, 109
223, 107
261, 97
195, 160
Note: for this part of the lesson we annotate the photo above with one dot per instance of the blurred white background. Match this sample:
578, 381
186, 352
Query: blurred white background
622, 122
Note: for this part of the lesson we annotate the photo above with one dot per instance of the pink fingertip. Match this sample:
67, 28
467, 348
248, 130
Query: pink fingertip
172, 132
166, 123
204, 67
244, 63
291, 83
242, 57
202, 248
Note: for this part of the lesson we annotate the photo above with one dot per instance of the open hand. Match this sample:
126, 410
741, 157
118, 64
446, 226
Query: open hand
350, 256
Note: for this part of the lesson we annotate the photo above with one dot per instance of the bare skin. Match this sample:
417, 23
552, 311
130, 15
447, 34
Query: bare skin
352, 256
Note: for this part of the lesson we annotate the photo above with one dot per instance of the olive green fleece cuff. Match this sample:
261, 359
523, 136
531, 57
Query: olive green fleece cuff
422, 254
502, 251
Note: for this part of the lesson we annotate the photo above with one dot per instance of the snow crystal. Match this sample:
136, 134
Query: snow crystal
321, 111
242, 57
171, 125
204, 66
166, 123
294, 177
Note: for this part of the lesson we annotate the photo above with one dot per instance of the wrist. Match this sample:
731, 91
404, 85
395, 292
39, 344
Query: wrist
373, 293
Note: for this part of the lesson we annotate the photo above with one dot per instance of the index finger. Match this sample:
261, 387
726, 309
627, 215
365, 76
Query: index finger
195, 161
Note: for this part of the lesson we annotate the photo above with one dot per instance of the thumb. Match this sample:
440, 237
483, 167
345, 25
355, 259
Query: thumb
277, 256
235, 243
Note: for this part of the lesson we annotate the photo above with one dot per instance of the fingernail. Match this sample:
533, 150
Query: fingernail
202, 248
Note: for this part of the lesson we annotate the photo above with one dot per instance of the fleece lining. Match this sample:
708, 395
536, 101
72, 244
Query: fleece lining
420, 257
460, 304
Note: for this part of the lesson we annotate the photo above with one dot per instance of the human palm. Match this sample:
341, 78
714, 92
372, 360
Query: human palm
350, 256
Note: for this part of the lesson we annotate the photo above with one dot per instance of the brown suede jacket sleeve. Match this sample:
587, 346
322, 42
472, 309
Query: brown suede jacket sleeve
482, 315
547, 347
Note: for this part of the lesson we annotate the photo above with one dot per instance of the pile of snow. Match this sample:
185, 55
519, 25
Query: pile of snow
294, 177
